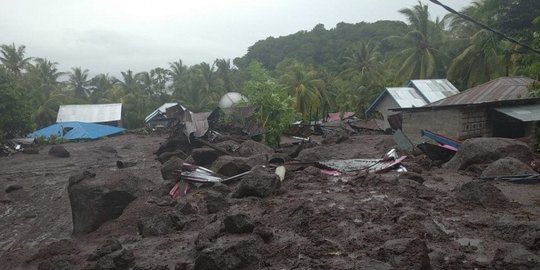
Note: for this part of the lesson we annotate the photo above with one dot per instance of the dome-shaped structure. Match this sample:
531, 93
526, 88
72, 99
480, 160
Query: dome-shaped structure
231, 99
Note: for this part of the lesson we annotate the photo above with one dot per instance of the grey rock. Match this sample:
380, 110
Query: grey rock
231, 166
507, 166
12, 188
260, 182
97, 199
238, 223
250, 148
481, 194
168, 168
486, 150
59, 151
204, 156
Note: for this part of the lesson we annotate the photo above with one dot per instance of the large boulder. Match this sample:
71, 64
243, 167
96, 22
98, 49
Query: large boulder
96, 199
250, 148
238, 223
406, 253
204, 156
231, 166
59, 151
481, 194
507, 166
168, 169
486, 150
164, 157
261, 182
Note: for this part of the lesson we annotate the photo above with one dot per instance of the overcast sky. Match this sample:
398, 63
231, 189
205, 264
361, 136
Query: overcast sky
109, 36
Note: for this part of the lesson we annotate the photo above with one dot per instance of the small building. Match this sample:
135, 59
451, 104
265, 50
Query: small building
417, 93
158, 116
502, 107
106, 114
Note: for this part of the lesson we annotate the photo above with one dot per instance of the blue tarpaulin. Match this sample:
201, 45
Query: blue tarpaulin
77, 131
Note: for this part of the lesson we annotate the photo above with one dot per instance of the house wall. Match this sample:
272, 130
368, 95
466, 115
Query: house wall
446, 122
474, 123
383, 108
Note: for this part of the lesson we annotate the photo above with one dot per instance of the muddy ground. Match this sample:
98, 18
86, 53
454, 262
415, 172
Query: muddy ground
313, 221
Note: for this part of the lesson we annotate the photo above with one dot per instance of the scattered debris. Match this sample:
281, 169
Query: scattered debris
59, 151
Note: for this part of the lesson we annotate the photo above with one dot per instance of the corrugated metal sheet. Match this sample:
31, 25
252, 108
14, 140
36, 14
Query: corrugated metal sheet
90, 113
505, 88
161, 110
526, 113
434, 90
406, 97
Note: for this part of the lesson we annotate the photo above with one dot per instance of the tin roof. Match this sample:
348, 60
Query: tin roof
501, 89
417, 93
161, 110
90, 113
434, 90
406, 97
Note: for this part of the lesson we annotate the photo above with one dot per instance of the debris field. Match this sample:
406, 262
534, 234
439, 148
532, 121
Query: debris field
106, 204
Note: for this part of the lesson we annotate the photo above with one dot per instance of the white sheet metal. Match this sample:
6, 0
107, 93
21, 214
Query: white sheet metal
162, 109
90, 113
434, 90
406, 97
527, 113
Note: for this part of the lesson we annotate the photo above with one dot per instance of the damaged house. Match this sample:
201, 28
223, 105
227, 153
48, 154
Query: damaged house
502, 107
416, 93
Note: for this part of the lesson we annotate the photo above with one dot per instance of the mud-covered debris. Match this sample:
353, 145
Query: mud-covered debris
215, 201
107, 247
481, 194
168, 168
266, 233
108, 149
231, 252
406, 253
238, 223
58, 263
507, 166
160, 224
260, 182
59, 151
151, 267
412, 176
514, 256
207, 235
525, 232
185, 208
122, 164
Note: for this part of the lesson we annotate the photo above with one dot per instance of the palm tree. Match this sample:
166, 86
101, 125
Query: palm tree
78, 80
480, 62
364, 61
421, 59
223, 72
13, 58
303, 85
99, 85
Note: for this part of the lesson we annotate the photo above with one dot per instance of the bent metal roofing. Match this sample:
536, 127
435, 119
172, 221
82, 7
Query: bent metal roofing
90, 113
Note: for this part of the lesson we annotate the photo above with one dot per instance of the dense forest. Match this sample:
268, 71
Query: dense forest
302, 76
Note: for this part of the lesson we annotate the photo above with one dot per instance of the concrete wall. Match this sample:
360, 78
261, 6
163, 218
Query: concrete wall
383, 108
474, 123
446, 122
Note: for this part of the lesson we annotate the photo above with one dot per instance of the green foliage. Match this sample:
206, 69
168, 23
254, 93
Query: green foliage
271, 102
14, 108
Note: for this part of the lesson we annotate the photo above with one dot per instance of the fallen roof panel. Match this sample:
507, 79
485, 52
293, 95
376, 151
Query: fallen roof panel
526, 113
